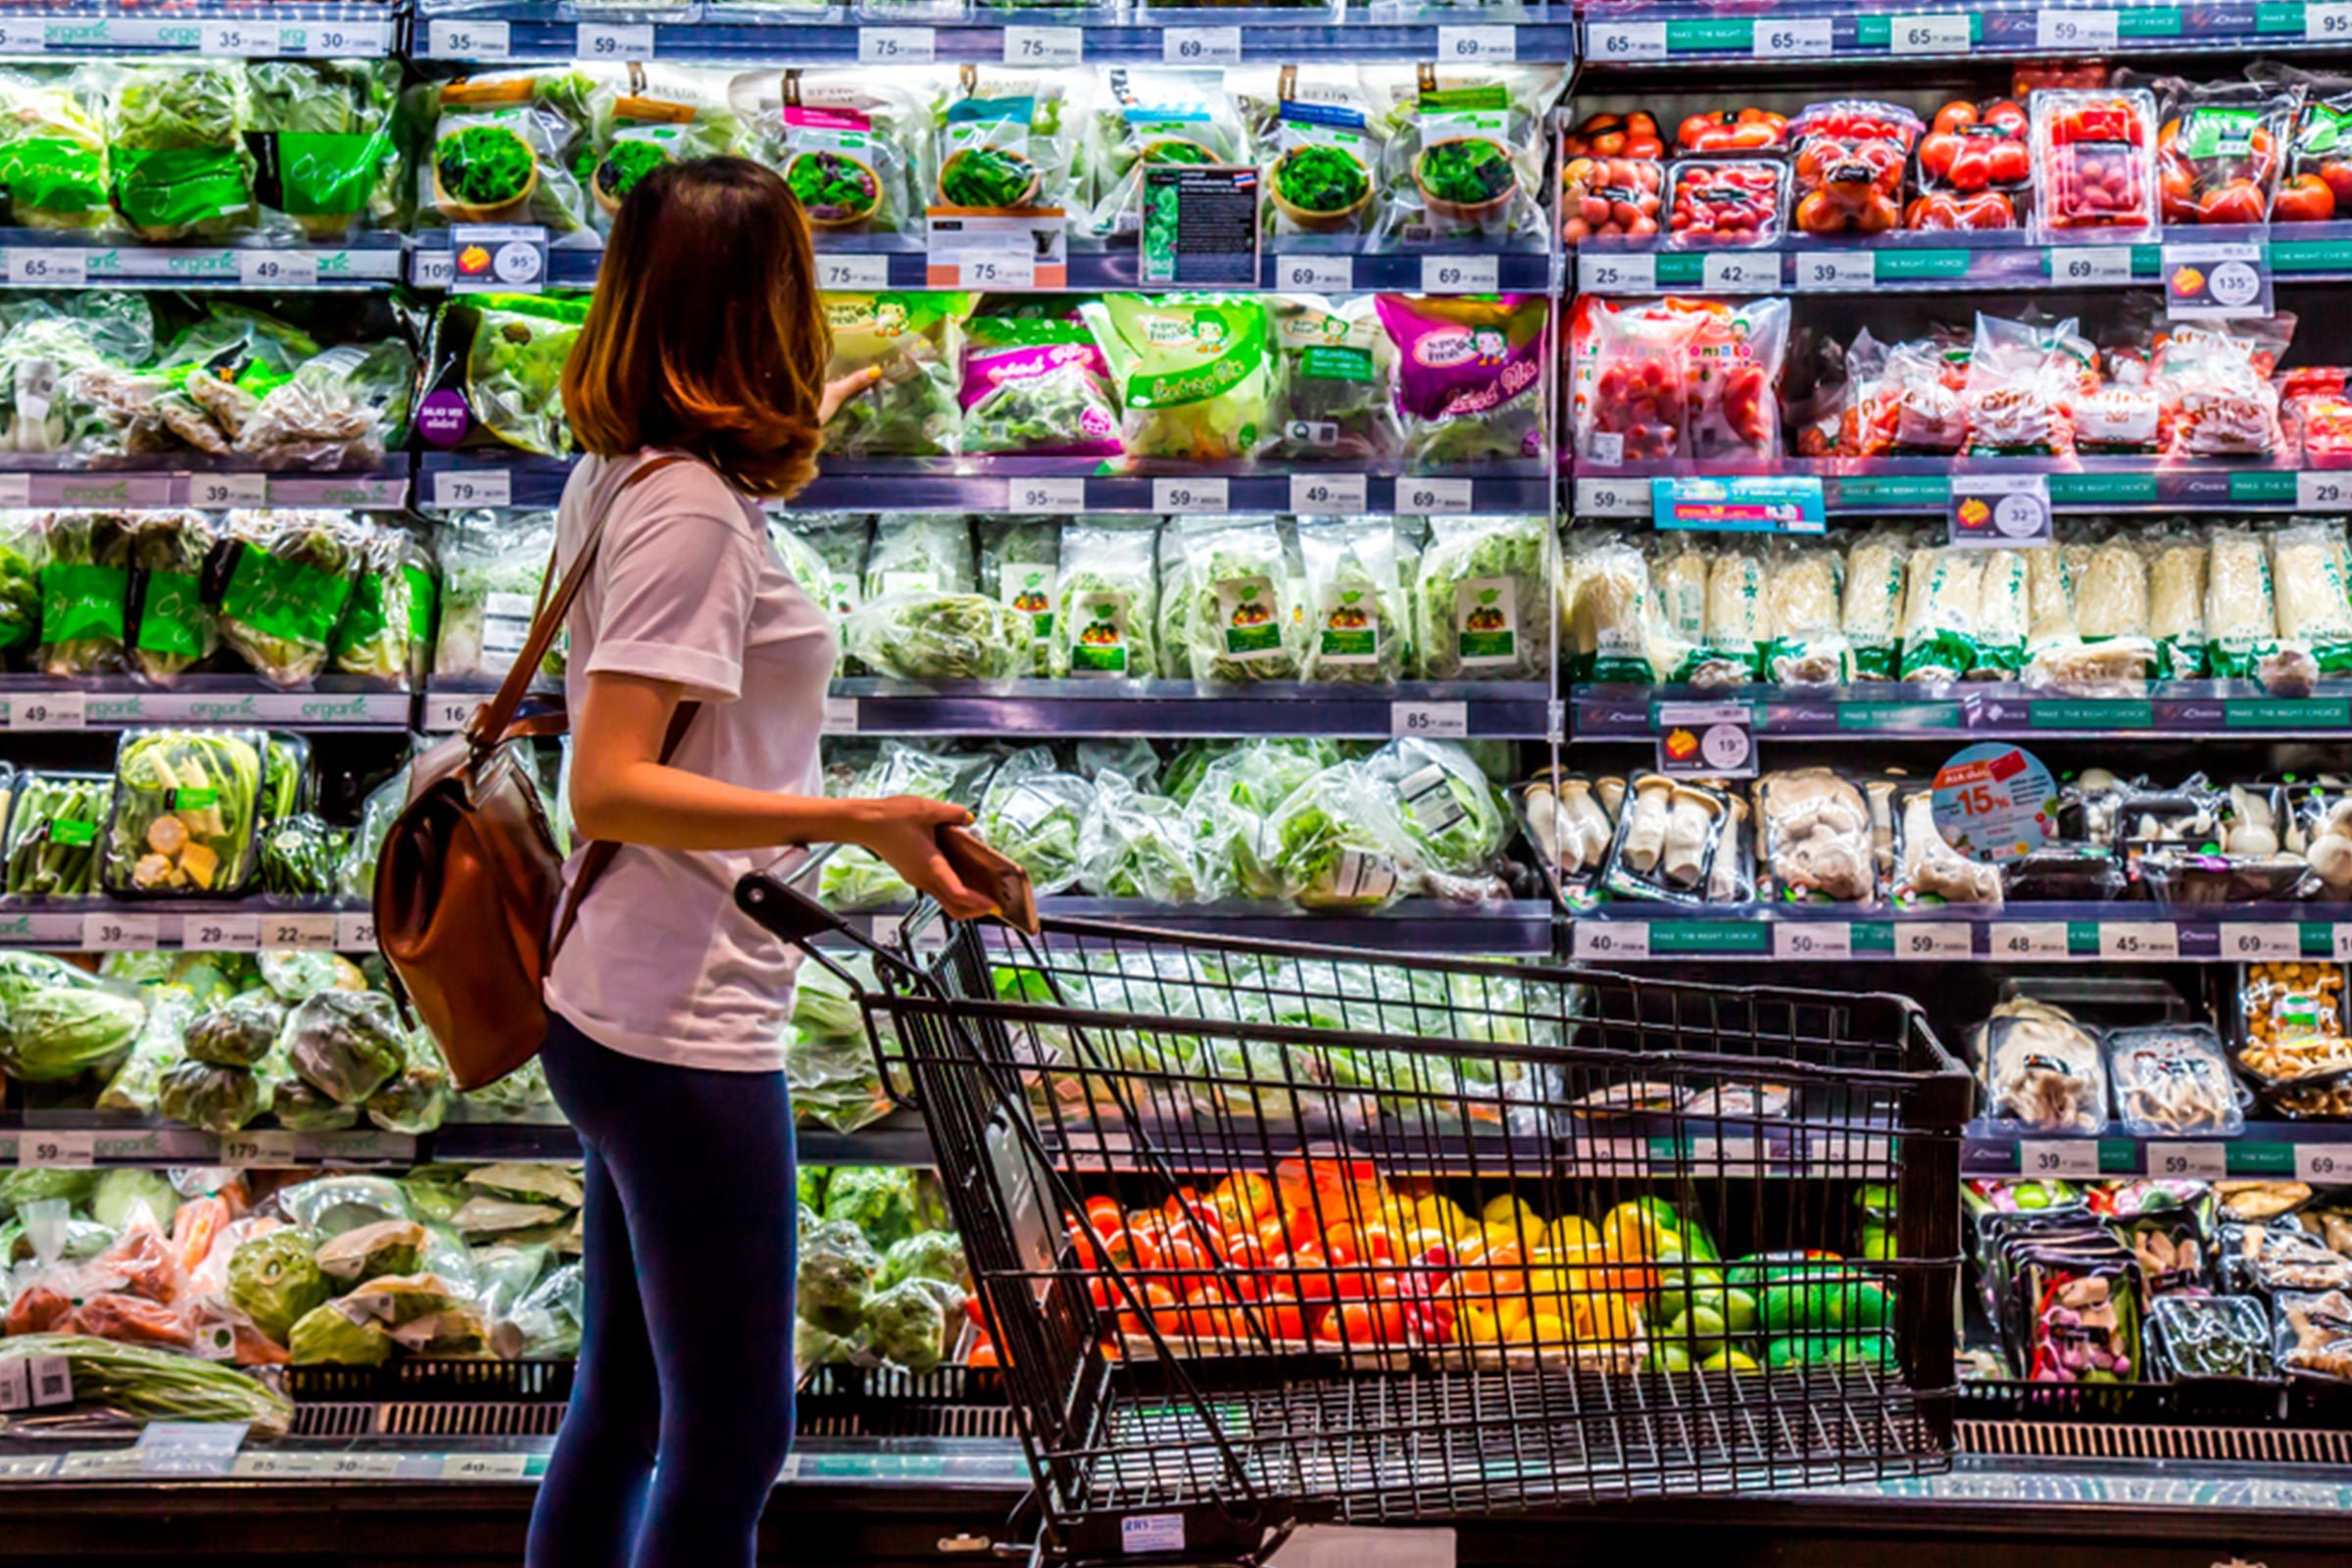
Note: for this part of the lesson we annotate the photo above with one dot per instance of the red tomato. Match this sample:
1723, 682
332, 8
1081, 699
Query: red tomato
1955, 117
1306, 1271
1155, 1299
2008, 162
1281, 1315
2338, 173
1102, 1214
2303, 199
1084, 1248
2006, 115
1936, 152
2237, 202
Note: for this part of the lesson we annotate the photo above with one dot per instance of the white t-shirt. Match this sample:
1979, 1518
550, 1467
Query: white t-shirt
686, 588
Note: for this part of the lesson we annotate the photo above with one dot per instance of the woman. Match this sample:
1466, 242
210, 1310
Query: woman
702, 361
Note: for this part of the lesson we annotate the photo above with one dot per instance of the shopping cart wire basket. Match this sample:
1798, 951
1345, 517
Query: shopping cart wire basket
1270, 1233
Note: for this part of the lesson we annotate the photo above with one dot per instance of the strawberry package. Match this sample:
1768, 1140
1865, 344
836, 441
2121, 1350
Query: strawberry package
2217, 154
1975, 168
1734, 365
2094, 163
2315, 409
1733, 131
1848, 157
1639, 409
2318, 182
1726, 202
2023, 380
2213, 380
1610, 198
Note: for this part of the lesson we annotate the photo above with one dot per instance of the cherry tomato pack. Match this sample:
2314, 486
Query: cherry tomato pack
2094, 162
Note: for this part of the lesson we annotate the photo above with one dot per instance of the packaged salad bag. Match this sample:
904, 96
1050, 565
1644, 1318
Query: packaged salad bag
320, 134
915, 339
175, 148
501, 148
1143, 117
386, 633
1002, 140
85, 590
1356, 609
186, 810
1245, 623
1469, 375
53, 153
1331, 379
1463, 153
1311, 131
1194, 371
1483, 601
642, 115
495, 371
1020, 568
1108, 605
281, 583
22, 549
174, 628
854, 145
1036, 381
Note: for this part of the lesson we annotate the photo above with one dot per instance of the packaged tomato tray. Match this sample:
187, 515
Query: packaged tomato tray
1610, 136
2217, 154
1848, 157
1973, 168
1726, 201
2315, 404
1610, 198
2318, 182
2094, 162
1733, 131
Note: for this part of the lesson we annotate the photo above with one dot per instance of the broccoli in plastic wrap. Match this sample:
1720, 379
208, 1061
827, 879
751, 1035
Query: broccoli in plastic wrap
881, 1201
908, 1324
837, 1272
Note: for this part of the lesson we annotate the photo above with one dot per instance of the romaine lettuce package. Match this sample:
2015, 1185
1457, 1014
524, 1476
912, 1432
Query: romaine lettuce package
386, 633
1002, 140
1108, 607
642, 115
53, 165
1138, 846
496, 371
320, 134
1020, 568
500, 148
175, 148
186, 814
1483, 601
174, 628
55, 822
858, 879
928, 634
916, 341
1035, 813
1245, 623
1469, 375
851, 144
1036, 381
1356, 608
284, 586
85, 591
1449, 812
1314, 135
1193, 373
1142, 116
1331, 379
1338, 844
492, 564
1464, 152
1231, 800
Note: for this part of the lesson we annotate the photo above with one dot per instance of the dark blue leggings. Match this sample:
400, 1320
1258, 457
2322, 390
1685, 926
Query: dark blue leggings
681, 1414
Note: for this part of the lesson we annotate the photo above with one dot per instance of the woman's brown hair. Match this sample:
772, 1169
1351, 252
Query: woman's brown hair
707, 333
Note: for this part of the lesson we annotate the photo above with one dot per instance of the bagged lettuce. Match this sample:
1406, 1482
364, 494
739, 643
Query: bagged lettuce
500, 148
1230, 802
1194, 373
1036, 381
915, 340
851, 144
856, 880
643, 115
1245, 623
927, 634
1312, 131
1020, 568
1483, 601
1108, 607
53, 153
1145, 117
825, 553
1464, 152
1469, 375
1002, 140
1036, 814
1338, 844
1356, 604
920, 552
1331, 380
85, 589
1447, 809
288, 579
176, 151
492, 566
386, 632
22, 549
1138, 846
320, 134
513, 357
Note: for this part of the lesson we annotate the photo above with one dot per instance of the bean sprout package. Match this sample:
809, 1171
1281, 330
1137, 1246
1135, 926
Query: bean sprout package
914, 340
1469, 375
1147, 116
851, 144
1002, 141
642, 117
1464, 158
1194, 373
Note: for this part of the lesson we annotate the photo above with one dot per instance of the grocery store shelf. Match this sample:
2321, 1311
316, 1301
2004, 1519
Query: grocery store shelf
917, 33
1664, 33
2108, 933
1517, 928
180, 479
315, 29
1877, 485
249, 925
2301, 1150
118, 701
1891, 711
47, 257
1040, 485
1173, 708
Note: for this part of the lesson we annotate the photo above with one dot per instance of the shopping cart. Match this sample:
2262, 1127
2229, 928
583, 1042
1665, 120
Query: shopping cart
1268, 1233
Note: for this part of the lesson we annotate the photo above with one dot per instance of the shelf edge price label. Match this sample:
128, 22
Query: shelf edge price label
1460, 275
107, 931
996, 270
2322, 1163
2223, 282
277, 269
272, 1147
1616, 272
1315, 274
2322, 492
16, 489
2075, 31
1739, 272
2089, 265
50, 711
1200, 46
1208, 493
2138, 941
2028, 938
2058, 1157
300, 933
1612, 498
473, 487
1611, 939
852, 272
1627, 40
1707, 740
432, 269
840, 716
356, 932
1835, 269
445, 713
1939, 33
2000, 511
467, 40
1798, 39
2193, 1162
1460, 44
2328, 24
221, 933
1046, 494
485, 1466
1324, 495
1431, 720
1930, 940
1044, 46
57, 267
2244, 941
216, 492
1812, 940
1425, 498
897, 46
605, 40
50, 1148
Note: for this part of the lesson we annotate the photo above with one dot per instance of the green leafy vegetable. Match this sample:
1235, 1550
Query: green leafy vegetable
175, 629
210, 1099
345, 1044
1321, 180
1245, 623
85, 585
239, 1032
53, 830
185, 813
58, 1022
287, 589
274, 1278
1483, 604
1036, 816
1137, 846
1193, 373
176, 153
145, 1384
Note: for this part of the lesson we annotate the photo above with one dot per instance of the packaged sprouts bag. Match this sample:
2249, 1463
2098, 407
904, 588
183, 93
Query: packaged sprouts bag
1194, 373
186, 810
1244, 624
501, 148
851, 144
1314, 133
1002, 140
174, 629
1356, 604
387, 628
915, 340
1939, 613
53, 162
1036, 381
491, 567
1483, 603
177, 149
2307, 570
1469, 375
283, 586
1020, 568
1872, 611
643, 115
1108, 607
2241, 622
1142, 116
85, 587
1464, 154
321, 136
1331, 379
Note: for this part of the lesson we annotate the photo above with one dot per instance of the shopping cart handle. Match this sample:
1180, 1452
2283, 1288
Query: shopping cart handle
783, 909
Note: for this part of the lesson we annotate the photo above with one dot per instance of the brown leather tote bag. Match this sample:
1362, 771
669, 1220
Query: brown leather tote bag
468, 883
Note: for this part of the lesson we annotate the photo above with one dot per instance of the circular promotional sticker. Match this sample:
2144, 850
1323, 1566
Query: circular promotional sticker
1995, 802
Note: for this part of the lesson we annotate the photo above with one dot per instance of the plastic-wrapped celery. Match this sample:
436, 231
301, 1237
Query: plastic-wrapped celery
53, 834
186, 806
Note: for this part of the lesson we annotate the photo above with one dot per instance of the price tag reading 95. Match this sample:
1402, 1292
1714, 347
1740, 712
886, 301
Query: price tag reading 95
1326, 494
2058, 1157
222, 933
1207, 494
1798, 38
1047, 495
2329, 23
109, 932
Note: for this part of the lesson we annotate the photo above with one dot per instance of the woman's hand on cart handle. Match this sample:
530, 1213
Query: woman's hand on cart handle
903, 830
839, 392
